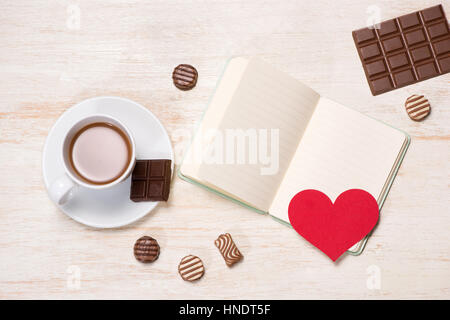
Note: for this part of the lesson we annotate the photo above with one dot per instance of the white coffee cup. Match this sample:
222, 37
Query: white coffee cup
63, 188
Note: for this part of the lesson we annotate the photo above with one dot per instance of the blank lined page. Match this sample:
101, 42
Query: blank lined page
265, 99
213, 116
341, 149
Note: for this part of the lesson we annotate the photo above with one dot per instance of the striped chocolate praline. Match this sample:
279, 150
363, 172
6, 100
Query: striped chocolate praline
228, 249
191, 268
185, 77
417, 107
146, 249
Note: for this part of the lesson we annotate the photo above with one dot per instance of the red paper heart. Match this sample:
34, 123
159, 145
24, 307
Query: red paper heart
333, 228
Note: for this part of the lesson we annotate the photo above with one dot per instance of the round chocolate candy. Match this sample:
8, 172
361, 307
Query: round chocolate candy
184, 77
191, 268
146, 249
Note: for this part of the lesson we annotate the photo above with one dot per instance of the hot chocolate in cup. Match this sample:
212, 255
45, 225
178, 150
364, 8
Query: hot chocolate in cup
98, 152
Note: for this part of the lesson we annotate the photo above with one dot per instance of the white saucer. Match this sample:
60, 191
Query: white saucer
112, 207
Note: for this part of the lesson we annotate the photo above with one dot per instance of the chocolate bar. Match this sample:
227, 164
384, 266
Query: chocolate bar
150, 180
405, 50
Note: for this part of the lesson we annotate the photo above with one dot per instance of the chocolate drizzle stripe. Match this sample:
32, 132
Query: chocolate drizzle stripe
182, 84
418, 115
183, 76
415, 103
182, 81
143, 253
414, 98
185, 72
146, 247
146, 252
190, 265
143, 248
186, 260
419, 108
190, 271
194, 275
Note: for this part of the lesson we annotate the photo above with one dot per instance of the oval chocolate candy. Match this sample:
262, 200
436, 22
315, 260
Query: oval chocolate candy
417, 107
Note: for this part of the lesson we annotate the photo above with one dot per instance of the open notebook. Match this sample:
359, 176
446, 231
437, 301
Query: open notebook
309, 142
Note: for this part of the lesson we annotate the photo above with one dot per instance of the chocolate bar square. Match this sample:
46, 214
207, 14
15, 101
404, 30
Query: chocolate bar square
150, 180
433, 13
405, 50
444, 64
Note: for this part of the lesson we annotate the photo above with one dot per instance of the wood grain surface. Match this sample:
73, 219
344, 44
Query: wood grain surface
50, 60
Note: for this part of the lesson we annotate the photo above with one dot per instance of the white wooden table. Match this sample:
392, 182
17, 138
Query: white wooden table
54, 54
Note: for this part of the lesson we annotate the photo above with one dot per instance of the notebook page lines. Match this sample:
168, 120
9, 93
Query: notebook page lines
341, 149
270, 100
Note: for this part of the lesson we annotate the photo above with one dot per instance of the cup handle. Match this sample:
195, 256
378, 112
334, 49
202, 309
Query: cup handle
62, 189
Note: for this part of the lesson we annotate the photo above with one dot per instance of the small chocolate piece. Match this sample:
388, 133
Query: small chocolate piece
191, 268
228, 249
146, 249
150, 180
405, 50
417, 107
185, 77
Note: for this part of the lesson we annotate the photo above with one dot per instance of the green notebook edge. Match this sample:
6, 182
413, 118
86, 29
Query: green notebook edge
363, 242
